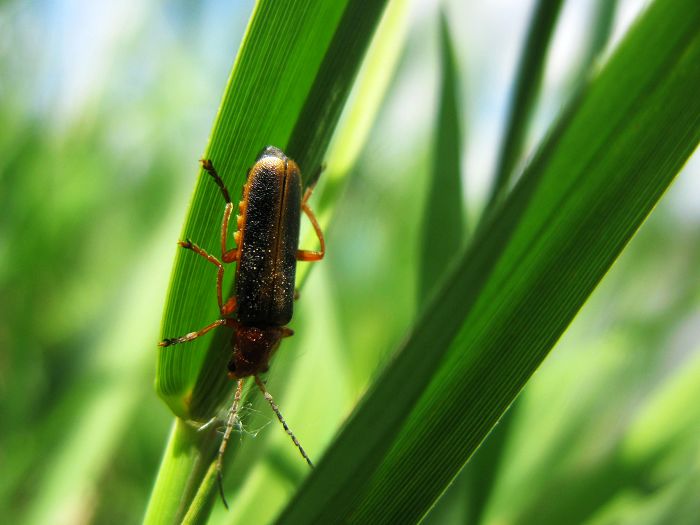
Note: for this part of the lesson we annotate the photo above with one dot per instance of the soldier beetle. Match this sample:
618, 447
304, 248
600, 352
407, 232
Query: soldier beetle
266, 253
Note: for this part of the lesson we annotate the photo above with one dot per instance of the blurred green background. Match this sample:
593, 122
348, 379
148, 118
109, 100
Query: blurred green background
105, 110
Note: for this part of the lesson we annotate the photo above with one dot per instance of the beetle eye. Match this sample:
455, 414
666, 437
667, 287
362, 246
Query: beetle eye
232, 366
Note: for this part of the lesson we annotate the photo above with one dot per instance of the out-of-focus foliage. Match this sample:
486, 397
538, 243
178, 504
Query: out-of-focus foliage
105, 111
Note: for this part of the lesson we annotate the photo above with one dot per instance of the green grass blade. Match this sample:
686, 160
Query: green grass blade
279, 90
527, 86
484, 467
528, 271
335, 77
443, 218
599, 37
186, 459
202, 502
253, 460
443, 223
290, 81
282, 50
565, 412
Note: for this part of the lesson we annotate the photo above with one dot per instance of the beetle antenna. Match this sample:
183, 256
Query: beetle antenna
277, 412
232, 418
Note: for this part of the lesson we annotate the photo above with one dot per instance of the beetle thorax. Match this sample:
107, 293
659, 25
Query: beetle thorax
252, 349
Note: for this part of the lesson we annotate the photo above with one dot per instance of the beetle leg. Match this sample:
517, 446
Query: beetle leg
309, 255
189, 245
209, 168
310, 189
230, 306
194, 335
228, 255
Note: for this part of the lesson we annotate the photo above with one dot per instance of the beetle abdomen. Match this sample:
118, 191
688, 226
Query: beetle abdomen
269, 240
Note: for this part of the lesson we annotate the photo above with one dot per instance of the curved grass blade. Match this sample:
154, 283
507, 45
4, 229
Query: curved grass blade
528, 271
279, 59
292, 74
353, 129
444, 229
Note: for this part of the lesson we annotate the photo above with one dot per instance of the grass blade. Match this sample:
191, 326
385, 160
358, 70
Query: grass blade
604, 15
289, 83
527, 85
484, 467
256, 110
443, 218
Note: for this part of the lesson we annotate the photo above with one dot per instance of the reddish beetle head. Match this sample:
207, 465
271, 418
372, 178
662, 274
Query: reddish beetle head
252, 350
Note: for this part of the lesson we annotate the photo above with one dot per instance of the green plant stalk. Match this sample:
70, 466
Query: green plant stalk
604, 166
187, 457
203, 500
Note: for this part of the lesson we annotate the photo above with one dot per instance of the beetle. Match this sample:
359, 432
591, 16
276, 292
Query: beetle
266, 253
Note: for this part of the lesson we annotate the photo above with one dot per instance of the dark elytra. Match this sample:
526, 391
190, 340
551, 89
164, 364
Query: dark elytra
267, 266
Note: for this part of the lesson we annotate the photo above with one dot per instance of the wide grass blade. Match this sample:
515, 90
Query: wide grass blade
484, 467
290, 81
599, 173
274, 72
287, 88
